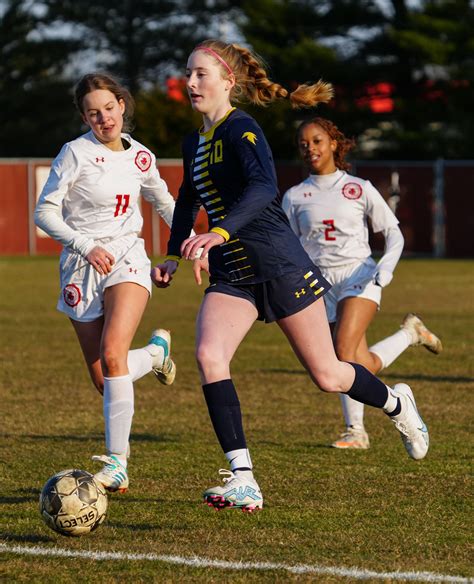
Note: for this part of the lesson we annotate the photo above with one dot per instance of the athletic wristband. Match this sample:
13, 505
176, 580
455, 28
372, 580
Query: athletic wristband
222, 232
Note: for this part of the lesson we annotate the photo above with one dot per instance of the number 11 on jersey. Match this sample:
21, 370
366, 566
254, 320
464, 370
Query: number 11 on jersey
122, 204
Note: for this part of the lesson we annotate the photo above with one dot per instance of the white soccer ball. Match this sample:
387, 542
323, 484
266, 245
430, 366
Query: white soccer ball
73, 503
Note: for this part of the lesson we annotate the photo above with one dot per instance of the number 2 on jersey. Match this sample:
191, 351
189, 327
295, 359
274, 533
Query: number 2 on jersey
329, 230
122, 204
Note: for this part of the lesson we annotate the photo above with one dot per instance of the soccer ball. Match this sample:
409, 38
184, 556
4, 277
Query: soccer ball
73, 503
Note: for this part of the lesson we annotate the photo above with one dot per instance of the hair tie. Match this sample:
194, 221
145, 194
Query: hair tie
215, 55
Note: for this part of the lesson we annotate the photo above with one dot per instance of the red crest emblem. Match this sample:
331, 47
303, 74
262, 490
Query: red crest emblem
71, 295
143, 160
352, 190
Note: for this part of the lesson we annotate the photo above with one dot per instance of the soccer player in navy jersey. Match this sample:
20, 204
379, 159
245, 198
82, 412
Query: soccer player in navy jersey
258, 268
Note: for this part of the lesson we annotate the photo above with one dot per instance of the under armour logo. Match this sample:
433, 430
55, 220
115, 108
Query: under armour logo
302, 292
132, 271
101, 159
307, 195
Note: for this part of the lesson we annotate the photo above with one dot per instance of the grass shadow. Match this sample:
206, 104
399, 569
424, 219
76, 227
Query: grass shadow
146, 437
404, 376
10, 537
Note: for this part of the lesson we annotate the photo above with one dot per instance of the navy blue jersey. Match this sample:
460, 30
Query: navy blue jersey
230, 171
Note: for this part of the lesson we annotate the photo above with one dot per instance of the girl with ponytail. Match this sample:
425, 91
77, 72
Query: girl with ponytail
258, 269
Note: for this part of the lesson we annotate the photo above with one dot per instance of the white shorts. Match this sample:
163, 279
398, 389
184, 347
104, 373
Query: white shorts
82, 288
351, 280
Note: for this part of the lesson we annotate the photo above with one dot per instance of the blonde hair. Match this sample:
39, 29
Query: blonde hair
252, 83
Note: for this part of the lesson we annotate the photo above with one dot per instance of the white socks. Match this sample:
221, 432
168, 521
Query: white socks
353, 411
240, 459
118, 414
139, 363
387, 350
391, 403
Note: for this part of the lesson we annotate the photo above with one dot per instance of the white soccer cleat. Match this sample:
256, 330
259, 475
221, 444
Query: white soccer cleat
353, 438
409, 423
238, 492
113, 476
420, 334
163, 367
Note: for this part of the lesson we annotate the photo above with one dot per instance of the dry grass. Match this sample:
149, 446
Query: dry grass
376, 510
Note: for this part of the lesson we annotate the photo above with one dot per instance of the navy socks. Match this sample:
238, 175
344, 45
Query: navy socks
367, 388
224, 409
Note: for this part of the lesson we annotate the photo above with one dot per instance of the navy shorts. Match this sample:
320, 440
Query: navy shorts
280, 297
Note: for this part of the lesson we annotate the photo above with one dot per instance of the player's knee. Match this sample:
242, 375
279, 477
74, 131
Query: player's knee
204, 356
111, 362
208, 359
328, 381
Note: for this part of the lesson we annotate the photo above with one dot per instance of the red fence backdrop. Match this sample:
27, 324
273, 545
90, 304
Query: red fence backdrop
433, 202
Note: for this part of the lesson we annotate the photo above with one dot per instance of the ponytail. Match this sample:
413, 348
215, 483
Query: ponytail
252, 83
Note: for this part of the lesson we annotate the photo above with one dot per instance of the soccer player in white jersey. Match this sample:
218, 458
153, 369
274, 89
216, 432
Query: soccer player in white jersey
90, 203
329, 211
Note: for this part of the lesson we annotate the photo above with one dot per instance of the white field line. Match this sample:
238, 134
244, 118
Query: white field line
196, 562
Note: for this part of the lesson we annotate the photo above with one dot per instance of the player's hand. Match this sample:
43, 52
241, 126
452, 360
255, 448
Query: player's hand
162, 274
101, 260
382, 278
201, 264
190, 246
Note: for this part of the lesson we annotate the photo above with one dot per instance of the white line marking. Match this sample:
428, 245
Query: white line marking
197, 562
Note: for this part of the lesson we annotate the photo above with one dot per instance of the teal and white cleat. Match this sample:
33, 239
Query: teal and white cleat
237, 492
163, 366
409, 423
113, 476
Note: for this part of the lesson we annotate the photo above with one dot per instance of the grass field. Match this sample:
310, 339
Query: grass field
374, 510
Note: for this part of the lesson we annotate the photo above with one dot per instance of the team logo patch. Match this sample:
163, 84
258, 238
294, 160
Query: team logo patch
71, 295
143, 160
250, 136
352, 190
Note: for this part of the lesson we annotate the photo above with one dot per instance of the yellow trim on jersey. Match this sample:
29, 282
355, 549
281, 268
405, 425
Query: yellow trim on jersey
173, 258
210, 133
220, 231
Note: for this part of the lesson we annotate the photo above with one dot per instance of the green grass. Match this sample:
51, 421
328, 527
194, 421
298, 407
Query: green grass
376, 510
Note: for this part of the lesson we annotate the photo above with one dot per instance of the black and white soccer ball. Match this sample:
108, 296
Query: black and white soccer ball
73, 503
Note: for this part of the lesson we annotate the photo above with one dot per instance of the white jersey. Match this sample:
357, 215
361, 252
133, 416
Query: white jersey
329, 214
92, 193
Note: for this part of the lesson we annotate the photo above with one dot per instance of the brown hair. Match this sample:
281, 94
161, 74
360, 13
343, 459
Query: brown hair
94, 81
252, 83
344, 145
